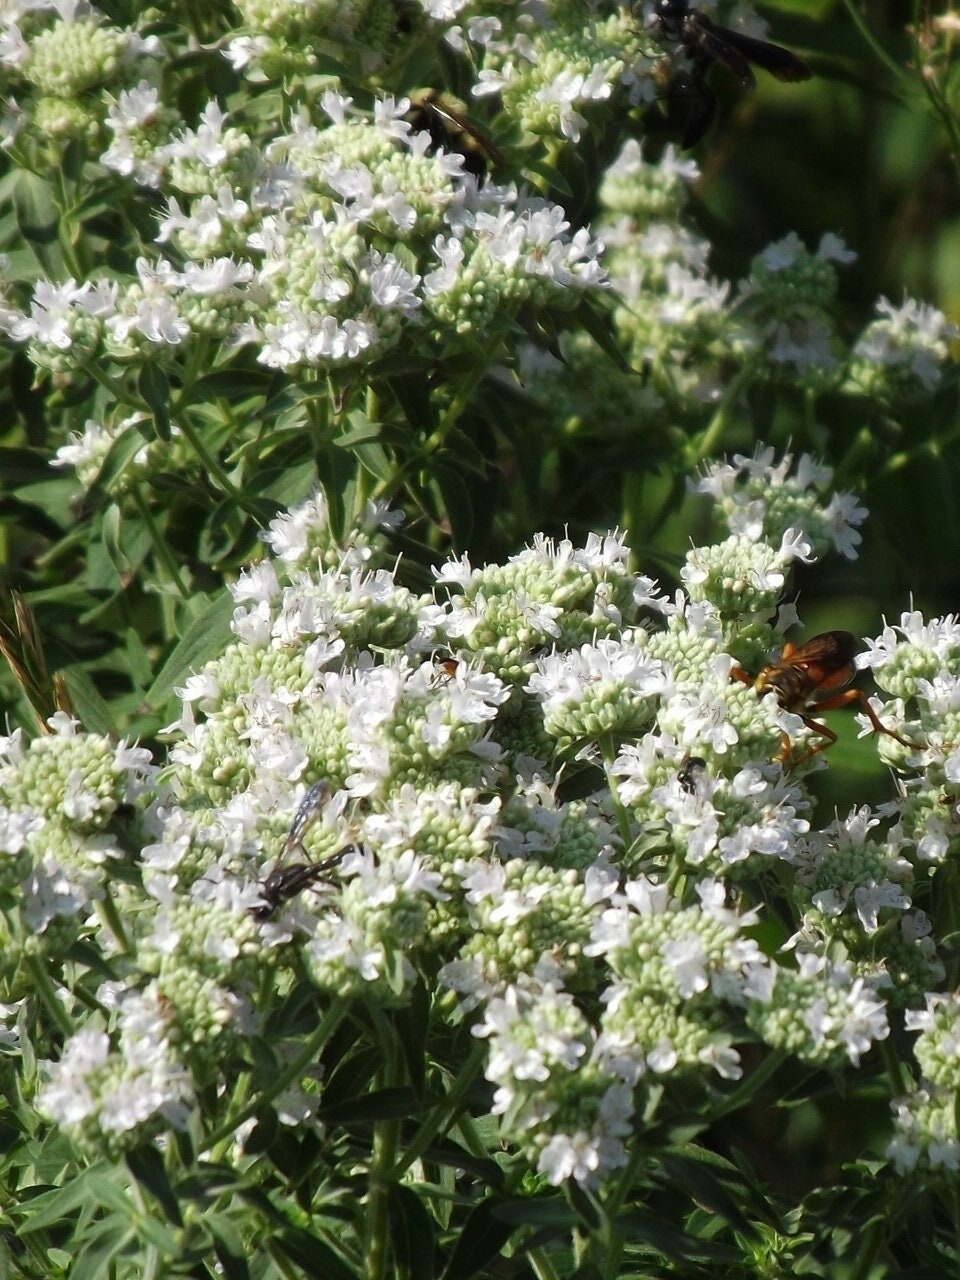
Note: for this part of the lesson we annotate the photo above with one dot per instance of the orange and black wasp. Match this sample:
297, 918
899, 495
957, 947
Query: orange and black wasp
285, 882
814, 677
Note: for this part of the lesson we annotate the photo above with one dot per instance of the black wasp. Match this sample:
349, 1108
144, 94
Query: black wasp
285, 882
690, 100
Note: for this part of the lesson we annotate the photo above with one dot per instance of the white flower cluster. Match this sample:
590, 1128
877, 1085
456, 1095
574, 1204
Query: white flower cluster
366, 788
320, 248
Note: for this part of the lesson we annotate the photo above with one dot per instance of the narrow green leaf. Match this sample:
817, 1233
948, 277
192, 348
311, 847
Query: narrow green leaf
154, 386
110, 538
457, 503
146, 1165
383, 1104
228, 1246
204, 639
126, 446
597, 324
411, 1234
481, 1240
311, 1253
39, 221
94, 1260
701, 1185
92, 711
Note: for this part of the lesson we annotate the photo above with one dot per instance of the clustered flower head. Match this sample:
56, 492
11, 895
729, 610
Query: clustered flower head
320, 247
60, 57
367, 787
925, 1120
770, 498
900, 355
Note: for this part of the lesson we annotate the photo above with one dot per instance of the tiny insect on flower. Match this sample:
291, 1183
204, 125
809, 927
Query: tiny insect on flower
814, 676
689, 773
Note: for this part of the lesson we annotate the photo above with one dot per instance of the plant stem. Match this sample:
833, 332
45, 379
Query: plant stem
383, 1173
48, 996
293, 1070
441, 1117
164, 554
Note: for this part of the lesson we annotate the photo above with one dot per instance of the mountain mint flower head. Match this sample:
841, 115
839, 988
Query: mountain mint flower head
851, 879
549, 66
555, 1098
925, 1120
900, 355
71, 782
671, 966
764, 497
786, 304
925, 1133
819, 1011
645, 191
109, 1092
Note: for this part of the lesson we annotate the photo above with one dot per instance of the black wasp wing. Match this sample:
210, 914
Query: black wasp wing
736, 51
717, 44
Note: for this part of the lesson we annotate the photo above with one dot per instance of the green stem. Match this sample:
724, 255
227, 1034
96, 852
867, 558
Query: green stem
48, 996
623, 819
293, 1071
441, 1117
870, 39
541, 1266
747, 1091
106, 909
164, 553
118, 392
895, 1070
872, 1240
719, 422
383, 1173
210, 461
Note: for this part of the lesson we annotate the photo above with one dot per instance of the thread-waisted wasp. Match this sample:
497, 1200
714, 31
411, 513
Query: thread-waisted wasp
285, 882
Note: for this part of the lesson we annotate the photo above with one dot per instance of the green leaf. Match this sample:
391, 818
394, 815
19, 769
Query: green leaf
480, 1241
121, 452
229, 1246
311, 1253
456, 501
655, 1230
95, 1185
383, 1104
411, 1234
597, 324
360, 429
204, 639
690, 1174
39, 221
103, 1244
154, 386
92, 711
146, 1165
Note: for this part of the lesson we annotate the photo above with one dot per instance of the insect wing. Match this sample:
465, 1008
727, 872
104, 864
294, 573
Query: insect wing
310, 809
779, 62
722, 45
826, 661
